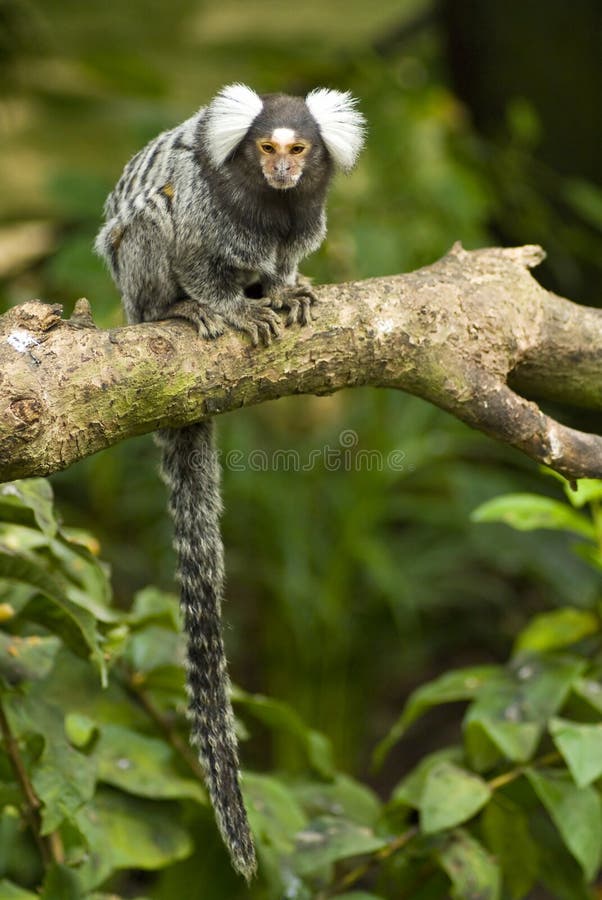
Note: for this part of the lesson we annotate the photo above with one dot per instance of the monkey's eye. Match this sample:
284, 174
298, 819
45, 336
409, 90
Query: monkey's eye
297, 148
268, 148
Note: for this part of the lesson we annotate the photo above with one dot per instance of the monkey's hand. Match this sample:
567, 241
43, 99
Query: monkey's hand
209, 323
298, 299
255, 318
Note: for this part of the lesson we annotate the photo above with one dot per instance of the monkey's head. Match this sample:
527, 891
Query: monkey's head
282, 139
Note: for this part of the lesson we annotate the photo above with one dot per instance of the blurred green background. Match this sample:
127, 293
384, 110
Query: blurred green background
348, 587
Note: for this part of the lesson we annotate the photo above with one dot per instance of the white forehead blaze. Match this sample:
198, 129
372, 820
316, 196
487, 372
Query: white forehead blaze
283, 135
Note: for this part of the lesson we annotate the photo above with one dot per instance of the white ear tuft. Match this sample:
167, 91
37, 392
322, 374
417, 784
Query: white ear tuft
341, 125
229, 117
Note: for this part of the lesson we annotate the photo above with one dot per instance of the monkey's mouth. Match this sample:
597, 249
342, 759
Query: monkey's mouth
281, 182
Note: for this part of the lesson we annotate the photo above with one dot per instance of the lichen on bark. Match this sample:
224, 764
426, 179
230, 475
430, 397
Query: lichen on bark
473, 333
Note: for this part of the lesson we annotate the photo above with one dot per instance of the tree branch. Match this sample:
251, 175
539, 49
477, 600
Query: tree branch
465, 333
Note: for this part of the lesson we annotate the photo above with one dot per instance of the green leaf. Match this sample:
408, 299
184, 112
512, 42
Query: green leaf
26, 567
26, 658
274, 813
80, 729
472, 871
343, 797
495, 724
462, 684
14, 598
590, 691
153, 647
327, 839
16, 853
167, 680
158, 607
576, 813
527, 512
60, 883
409, 790
279, 715
63, 778
588, 490
509, 716
75, 626
506, 832
488, 738
10, 891
86, 579
61, 616
28, 502
451, 795
125, 832
545, 681
557, 629
73, 685
141, 765
581, 748
558, 870
115, 643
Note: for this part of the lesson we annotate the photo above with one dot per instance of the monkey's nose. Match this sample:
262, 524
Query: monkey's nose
283, 167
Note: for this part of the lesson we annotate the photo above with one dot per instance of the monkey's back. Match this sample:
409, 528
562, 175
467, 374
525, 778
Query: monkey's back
145, 186
151, 169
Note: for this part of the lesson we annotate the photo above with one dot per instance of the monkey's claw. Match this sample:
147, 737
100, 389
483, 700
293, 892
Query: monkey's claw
298, 300
208, 323
259, 321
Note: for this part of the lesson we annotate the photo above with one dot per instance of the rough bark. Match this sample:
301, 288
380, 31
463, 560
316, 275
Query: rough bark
458, 333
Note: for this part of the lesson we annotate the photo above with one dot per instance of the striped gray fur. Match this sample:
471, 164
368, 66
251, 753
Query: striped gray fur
195, 505
194, 230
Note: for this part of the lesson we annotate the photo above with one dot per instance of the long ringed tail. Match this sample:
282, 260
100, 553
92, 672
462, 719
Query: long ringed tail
191, 471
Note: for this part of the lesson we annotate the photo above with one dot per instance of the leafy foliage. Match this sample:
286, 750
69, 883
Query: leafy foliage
350, 585
367, 555
98, 782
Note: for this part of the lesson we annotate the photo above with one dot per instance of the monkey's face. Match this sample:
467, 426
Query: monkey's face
282, 157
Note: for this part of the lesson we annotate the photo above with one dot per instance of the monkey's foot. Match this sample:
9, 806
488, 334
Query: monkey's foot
298, 300
208, 323
257, 319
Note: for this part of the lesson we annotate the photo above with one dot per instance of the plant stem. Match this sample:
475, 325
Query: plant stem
173, 738
401, 840
507, 777
379, 856
49, 846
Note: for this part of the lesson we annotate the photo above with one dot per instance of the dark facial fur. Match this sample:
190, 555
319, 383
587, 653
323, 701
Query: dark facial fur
290, 114
241, 187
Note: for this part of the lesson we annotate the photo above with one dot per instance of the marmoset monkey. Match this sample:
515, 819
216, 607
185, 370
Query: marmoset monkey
208, 223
